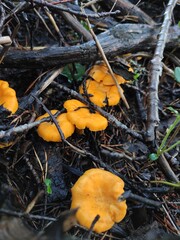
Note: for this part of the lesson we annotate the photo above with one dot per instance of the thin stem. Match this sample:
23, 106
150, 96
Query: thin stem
176, 185
162, 147
172, 146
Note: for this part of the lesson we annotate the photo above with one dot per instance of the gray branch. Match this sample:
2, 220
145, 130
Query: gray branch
156, 71
123, 38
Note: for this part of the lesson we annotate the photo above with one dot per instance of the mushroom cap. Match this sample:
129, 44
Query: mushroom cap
108, 80
8, 97
113, 96
96, 192
79, 115
48, 130
96, 91
98, 72
100, 94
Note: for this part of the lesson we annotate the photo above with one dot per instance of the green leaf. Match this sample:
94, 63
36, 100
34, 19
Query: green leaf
136, 76
80, 70
179, 23
74, 72
48, 183
67, 71
153, 156
85, 25
177, 74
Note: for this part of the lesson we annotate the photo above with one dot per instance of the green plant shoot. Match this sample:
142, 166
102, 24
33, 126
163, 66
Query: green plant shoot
136, 75
177, 74
48, 184
164, 147
175, 185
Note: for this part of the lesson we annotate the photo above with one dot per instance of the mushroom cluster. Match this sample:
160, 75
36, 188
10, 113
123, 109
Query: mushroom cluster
8, 97
96, 192
101, 88
78, 115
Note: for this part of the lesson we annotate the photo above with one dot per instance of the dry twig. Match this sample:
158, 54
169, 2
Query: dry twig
39, 88
128, 8
77, 13
76, 25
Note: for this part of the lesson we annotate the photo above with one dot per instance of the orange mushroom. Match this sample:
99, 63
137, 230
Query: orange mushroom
96, 92
96, 192
79, 114
108, 80
100, 94
48, 130
98, 72
113, 96
8, 97
102, 90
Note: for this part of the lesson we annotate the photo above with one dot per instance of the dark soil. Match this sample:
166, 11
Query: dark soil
29, 160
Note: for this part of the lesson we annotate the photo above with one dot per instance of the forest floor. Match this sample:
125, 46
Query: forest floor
36, 176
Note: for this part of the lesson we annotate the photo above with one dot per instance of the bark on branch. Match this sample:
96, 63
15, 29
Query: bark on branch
120, 39
156, 71
127, 8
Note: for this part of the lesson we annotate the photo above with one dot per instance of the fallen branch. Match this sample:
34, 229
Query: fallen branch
63, 8
166, 168
127, 8
123, 38
156, 71
76, 25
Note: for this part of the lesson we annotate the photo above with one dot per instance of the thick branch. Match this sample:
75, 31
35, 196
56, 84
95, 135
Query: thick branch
122, 38
156, 71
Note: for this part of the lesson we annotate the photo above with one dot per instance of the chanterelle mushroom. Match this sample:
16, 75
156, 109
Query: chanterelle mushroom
48, 130
101, 94
96, 192
80, 115
8, 97
101, 87
98, 72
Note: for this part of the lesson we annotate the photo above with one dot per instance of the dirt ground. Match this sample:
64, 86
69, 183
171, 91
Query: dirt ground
36, 176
